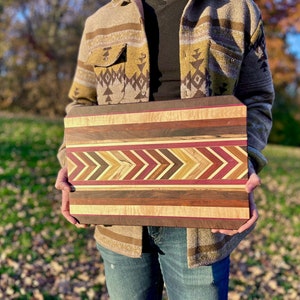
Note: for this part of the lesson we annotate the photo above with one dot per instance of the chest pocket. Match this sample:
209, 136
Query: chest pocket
224, 65
109, 67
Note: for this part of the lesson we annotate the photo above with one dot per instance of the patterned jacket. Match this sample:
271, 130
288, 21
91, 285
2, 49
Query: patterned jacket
222, 52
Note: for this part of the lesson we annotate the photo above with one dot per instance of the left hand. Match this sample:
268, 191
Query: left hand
251, 184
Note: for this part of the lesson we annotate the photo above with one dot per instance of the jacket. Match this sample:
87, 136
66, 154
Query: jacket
222, 52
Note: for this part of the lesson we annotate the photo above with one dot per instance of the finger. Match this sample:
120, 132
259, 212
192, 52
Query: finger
249, 223
254, 216
65, 208
253, 182
224, 231
62, 180
78, 225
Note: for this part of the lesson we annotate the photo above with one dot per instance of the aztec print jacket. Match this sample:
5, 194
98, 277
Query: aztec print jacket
222, 52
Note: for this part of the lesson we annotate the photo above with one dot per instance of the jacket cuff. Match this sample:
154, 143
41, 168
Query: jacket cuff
61, 156
257, 159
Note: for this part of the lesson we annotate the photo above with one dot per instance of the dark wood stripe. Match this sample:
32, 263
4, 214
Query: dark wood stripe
152, 130
166, 198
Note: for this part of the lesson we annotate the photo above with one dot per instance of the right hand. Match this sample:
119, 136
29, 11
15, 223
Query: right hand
63, 184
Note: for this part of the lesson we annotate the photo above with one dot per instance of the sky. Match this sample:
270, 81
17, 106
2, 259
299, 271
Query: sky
294, 43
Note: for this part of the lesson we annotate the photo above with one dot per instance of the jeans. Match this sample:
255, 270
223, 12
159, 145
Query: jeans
163, 261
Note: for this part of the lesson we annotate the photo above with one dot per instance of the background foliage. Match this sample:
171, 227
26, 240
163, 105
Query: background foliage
42, 256
39, 43
38, 52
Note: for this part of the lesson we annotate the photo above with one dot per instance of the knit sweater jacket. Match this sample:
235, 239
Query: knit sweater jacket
221, 51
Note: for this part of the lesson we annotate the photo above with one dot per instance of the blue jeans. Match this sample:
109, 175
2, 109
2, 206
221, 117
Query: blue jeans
164, 260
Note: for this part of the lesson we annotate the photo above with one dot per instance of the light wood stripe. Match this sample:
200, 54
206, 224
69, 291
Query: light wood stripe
188, 222
161, 211
208, 113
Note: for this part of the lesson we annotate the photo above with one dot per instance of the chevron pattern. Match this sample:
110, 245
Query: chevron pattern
166, 163
181, 162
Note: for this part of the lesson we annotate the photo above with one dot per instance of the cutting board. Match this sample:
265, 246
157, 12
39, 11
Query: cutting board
180, 163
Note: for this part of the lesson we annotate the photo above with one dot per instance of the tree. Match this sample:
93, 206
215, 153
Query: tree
39, 41
281, 18
38, 51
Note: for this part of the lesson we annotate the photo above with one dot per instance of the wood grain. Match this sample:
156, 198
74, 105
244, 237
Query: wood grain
166, 163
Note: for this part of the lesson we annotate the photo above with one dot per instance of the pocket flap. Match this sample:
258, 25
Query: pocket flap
107, 56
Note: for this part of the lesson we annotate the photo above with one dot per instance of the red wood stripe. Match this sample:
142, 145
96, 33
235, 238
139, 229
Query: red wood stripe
164, 164
217, 163
220, 182
231, 163
79, 164
102, 163
167, 145
150, 164
138, 165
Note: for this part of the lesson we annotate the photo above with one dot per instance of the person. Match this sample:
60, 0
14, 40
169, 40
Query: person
152, 50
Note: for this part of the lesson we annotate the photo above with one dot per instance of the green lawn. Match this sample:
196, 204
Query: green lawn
42, 256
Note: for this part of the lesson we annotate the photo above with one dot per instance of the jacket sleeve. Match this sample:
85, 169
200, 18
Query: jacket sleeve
255, 90
83, 88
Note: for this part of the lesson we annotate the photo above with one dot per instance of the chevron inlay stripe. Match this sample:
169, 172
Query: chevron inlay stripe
166, 163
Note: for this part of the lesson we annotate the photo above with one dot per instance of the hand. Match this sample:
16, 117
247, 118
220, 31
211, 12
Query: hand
251, 184
63, 184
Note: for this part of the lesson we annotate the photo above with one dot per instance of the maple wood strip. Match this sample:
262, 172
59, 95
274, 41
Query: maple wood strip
167, 221
211, 113
188, 222
162, 211
178, 104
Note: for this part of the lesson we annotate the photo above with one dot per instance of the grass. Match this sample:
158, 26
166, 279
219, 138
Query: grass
44, 257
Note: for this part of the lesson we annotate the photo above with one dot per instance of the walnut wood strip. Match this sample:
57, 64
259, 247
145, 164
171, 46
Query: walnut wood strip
88, 198
185, 128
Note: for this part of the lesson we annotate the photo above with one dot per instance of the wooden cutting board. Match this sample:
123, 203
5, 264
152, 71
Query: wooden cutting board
180, 163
